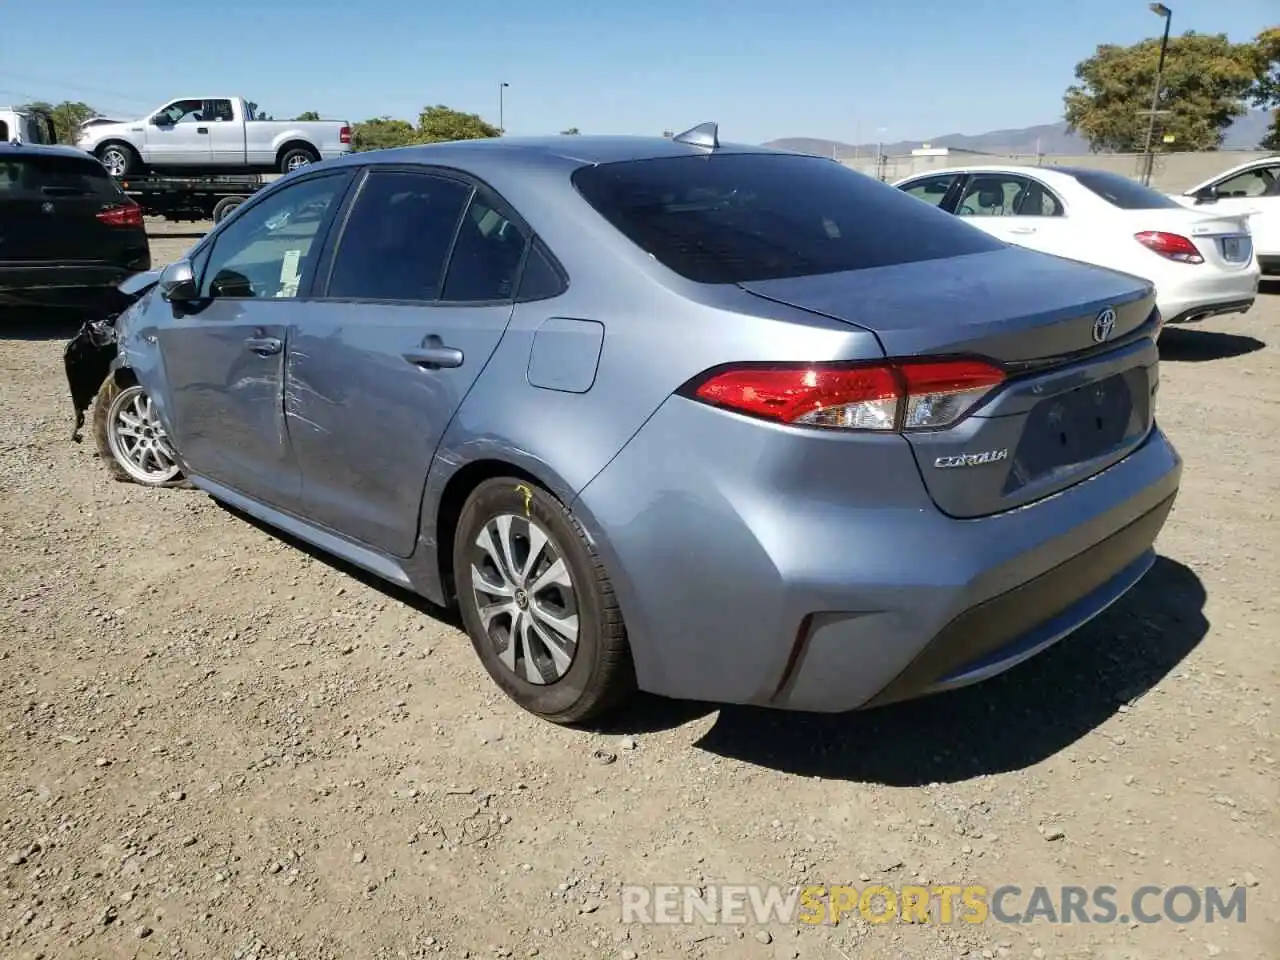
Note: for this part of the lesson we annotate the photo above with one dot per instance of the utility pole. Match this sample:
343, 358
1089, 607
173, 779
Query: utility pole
1159, 9
502, 126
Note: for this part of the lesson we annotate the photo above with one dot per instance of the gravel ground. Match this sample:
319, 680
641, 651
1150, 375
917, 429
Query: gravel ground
216, 744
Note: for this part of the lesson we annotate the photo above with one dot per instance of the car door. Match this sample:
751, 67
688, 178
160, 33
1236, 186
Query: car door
226, 135
181, 138
224, 355
420, 287
1018, 210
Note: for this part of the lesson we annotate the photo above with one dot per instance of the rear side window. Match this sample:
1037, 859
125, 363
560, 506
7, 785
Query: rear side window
34, 175
1122, 192
397, 237
736, 218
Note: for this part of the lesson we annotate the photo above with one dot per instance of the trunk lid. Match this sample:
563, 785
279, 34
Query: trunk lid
1074, 403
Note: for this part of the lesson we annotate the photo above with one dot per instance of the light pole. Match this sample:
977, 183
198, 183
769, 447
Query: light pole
1160, 10
502, 126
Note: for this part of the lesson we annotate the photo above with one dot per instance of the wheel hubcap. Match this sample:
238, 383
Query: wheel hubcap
296, 162
137, 438
525, 597
114, 161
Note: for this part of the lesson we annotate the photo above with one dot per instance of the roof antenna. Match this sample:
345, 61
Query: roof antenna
703, 135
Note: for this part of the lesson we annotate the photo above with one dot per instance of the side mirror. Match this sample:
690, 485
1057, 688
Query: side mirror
1206, 195
162, 120
178, 282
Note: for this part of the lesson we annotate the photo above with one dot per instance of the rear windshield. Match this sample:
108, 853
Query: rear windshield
736, 218
1122, 192
55, 176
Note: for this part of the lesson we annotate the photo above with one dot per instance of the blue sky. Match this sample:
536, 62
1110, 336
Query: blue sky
881, 69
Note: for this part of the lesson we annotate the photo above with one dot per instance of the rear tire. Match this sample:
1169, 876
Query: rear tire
537, 581
224, 207
120, 159
116, 415
296, 157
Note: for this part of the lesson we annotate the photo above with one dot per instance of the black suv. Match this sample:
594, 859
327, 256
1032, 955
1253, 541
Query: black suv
68, 234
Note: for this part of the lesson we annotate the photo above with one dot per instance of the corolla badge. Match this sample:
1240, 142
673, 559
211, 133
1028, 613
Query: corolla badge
1104, 325
971, 459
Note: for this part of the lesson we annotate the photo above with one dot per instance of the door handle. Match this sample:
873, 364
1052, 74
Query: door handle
264, 346
202, 129
433, 355
1022, 229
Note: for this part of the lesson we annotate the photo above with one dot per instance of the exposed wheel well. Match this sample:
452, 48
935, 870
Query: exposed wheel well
124, 377
454, 496
296, 145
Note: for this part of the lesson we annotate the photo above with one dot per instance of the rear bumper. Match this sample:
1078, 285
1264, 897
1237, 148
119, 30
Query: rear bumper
1215, 294
790, 578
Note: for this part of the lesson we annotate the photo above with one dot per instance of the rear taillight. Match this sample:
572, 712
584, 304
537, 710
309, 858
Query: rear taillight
127, 214
344, 135
889, 396
1170, 245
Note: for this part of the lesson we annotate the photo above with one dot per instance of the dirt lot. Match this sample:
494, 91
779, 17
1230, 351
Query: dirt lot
217, 745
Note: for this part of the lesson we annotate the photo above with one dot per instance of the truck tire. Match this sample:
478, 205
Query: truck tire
120, 159
225, 206
296, 157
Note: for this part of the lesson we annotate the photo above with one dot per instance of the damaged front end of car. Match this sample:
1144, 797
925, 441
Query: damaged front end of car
89, 354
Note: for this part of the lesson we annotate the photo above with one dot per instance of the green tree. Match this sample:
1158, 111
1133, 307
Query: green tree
571, 132
380, 133
1266, 85
67, 117
1205, 79
439, 123
307, 115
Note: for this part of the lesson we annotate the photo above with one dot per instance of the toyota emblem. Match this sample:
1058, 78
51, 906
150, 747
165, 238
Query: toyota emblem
1104, 325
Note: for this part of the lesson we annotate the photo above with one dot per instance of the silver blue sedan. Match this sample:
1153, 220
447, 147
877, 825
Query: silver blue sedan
706, 420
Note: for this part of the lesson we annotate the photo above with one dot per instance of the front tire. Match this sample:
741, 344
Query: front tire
538, 604
119, 159
130, 438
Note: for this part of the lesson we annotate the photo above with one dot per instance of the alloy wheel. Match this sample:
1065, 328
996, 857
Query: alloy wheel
138, 440
525, 598
115, 161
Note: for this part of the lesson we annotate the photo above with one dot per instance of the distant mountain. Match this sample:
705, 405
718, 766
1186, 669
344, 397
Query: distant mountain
1048, 138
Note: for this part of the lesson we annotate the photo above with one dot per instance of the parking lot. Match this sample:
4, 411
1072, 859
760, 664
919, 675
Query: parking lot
219, 744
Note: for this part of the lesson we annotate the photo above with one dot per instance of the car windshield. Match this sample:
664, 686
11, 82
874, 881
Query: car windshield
737, 218
1122, 192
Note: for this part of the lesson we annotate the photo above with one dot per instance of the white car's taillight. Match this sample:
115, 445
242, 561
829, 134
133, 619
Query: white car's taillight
892, 396
1170, 245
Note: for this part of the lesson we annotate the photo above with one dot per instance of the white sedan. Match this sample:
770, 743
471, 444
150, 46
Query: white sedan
1201, 262
1252, 189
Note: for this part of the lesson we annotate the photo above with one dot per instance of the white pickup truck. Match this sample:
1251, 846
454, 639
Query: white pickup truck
213, 134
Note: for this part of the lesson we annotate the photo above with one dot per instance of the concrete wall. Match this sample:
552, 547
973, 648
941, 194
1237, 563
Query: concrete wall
1173, 172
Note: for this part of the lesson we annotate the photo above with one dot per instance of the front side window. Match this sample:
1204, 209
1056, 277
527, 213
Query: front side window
397, 237
932, 190
1257, 182
991, 195
183, 111
737, 218
267, 250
